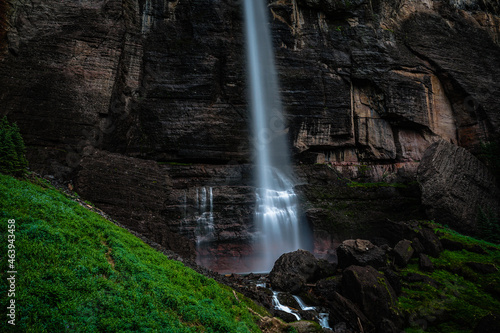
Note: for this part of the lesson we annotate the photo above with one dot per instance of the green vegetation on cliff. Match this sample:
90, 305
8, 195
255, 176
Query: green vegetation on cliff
463, 288
12, 150
77, 272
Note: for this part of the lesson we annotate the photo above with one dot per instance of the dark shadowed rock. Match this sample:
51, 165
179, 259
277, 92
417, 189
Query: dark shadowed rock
425, 263
287, 317
455, 186
488, 324
482, 268
393, 278
452, 245
326, 288
374, 295
428, 242
293, 270
476, 249
415, 277
287, 299
403, 251
344, 310
361, 253
417, 245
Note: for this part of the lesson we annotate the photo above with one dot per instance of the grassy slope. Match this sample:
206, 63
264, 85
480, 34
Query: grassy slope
78, 272
462, 297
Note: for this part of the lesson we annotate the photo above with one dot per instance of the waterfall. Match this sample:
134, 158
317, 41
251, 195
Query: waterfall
205, 222
276, 219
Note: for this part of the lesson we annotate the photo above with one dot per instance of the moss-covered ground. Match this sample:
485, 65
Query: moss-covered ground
77, 272
456, 295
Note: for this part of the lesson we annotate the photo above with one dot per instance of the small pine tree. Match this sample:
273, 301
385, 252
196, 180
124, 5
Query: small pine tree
12, 150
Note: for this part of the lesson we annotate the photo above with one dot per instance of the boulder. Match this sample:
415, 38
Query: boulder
373, 294
456, 186
425, 264
415, 277
394, 279
343, 310
430, 241
293, 270
403, 251
423, 237
288, 300
326, 288
361, 253
482, 268
287, 317
452, 245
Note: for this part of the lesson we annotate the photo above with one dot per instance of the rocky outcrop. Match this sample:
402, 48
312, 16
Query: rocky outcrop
175, 204
360, 252
456, 187
403, 252
393, 298
293, 270
375, 296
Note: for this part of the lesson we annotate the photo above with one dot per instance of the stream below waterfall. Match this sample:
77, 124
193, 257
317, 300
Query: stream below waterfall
322, 318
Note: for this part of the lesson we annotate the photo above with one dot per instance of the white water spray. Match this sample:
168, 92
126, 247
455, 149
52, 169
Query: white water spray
276, 218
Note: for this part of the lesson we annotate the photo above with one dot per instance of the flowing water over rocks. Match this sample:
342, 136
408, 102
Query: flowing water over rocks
277, 217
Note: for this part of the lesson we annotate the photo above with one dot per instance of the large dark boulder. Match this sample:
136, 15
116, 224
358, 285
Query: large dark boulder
343, 310
403, 252
456, 186
293, 270
361, 253
374, 295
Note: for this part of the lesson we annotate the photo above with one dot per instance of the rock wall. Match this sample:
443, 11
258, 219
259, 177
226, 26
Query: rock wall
456, 187
142, 103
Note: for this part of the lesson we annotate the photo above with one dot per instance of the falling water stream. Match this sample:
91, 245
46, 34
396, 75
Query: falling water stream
276, 218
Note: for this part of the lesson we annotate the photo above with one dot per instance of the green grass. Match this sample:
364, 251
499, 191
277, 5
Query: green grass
78, 272
462, 297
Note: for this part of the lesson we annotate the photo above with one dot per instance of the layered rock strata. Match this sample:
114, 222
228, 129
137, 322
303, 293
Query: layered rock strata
367, 86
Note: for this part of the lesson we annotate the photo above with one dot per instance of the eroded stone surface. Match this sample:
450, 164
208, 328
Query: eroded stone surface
367, 86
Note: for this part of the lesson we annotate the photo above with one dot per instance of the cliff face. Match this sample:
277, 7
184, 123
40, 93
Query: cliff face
142, 103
